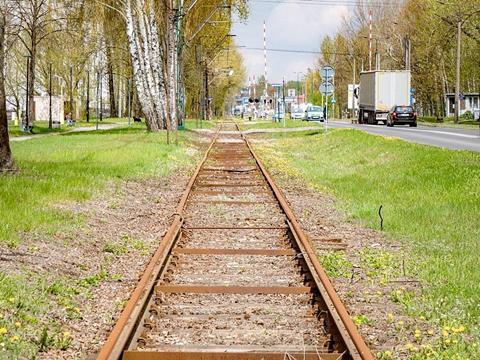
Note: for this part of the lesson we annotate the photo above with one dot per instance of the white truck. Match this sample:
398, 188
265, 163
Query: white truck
379, 91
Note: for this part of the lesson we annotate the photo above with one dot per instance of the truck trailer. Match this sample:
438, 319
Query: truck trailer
379, 91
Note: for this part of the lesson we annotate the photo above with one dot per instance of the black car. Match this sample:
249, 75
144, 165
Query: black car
402, 114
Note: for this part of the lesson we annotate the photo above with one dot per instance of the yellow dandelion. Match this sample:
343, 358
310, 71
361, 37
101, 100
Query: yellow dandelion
409, 346
460, 329
445, 333
422, 317
388, 354
14, 338
66, 334
390, 317
430, 332
447, 341
446, 328
18, 324
77, 309
400, 322
455, 341
3, 331
11, 299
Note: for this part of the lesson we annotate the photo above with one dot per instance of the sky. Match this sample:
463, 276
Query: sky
293, 26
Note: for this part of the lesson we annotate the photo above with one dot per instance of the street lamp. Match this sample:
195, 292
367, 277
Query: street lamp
298, 85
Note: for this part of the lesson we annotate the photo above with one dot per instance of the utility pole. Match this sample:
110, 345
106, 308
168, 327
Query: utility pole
370, 29
88, 96
27, 103
298, 89
50, 118
71, 92
407, 52
354, 83
207, 100
457, 71
129, 108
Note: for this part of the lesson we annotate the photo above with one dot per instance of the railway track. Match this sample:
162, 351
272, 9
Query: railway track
235, 276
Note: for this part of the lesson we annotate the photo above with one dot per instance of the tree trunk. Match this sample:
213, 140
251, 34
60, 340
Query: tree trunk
31, 81
6, 160
111, 83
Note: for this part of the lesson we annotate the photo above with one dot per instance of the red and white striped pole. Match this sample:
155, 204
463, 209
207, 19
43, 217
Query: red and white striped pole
370, 28
265, 56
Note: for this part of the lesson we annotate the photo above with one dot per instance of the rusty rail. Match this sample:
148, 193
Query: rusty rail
122, 331
339, 308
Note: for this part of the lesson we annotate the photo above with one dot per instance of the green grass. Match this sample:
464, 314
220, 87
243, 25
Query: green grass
199, 124
269, 124
71, 167
41, 127
448, 122
431, 203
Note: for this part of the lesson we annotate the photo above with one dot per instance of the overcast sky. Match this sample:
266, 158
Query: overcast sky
289, 26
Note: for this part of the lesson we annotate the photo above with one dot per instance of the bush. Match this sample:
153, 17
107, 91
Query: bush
467, 115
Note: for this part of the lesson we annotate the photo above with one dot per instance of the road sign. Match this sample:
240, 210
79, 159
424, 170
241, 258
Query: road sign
334, 101
326, 88
327, 72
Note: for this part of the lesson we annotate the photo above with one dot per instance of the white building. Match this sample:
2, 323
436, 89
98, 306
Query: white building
468, 102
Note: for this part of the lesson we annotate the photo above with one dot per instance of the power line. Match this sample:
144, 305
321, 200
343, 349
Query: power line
294, 51
329, 3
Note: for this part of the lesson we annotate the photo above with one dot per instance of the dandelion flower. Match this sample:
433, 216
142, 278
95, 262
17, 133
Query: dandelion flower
3, 331
14, 338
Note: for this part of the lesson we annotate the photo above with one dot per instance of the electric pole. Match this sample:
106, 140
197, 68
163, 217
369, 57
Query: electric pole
88, 96
457, 71
71, 92
50, 118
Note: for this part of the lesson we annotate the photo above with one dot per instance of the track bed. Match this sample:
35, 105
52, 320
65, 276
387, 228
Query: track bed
234, 278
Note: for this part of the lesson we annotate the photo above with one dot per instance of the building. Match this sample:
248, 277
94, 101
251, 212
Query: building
468, 102
42, 108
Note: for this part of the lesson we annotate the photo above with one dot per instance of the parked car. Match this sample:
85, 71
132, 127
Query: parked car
313, 113
402, 114
297, 114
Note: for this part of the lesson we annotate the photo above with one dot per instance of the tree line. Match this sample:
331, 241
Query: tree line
165, 56
416, 35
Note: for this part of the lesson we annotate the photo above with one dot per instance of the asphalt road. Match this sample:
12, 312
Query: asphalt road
450, 138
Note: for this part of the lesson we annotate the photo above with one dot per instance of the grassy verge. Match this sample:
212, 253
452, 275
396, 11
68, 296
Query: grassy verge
41, 127
448, 122
71, 167
431, 203
269, 124
199, 124
36, 307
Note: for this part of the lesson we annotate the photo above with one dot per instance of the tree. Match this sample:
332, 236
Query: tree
36, 21
6, 160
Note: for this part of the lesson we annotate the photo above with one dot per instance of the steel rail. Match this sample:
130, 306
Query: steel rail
360, 345
123, 328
